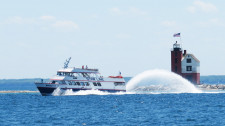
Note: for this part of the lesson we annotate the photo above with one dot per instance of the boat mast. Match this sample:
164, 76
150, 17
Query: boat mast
67, 63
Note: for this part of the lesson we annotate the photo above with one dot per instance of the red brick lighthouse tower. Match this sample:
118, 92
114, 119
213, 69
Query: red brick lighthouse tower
186, 65
176, 56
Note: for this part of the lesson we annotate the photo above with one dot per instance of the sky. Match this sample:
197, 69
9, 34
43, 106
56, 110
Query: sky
131, 36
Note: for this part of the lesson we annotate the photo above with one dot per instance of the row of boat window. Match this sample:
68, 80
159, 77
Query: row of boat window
79, 83
86, 75
83, 83
88, 84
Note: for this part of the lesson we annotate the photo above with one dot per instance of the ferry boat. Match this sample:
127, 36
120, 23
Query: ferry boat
77, 79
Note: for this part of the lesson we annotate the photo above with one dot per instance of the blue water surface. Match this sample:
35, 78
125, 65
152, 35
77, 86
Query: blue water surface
128, 109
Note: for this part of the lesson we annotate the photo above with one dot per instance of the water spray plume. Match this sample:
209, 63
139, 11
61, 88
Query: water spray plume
161, 81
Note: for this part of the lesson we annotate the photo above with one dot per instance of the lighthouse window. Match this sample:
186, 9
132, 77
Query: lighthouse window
189, 68
188, 60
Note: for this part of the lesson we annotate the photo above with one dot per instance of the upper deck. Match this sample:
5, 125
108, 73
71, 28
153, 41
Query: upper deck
78, 70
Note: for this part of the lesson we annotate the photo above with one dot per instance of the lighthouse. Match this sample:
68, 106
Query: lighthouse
185, 64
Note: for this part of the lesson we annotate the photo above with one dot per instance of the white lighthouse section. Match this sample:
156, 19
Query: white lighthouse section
190, 64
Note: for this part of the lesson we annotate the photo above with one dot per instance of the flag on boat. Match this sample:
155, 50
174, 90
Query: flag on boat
176, 35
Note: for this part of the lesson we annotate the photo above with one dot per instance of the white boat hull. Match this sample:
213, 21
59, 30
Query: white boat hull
47, 89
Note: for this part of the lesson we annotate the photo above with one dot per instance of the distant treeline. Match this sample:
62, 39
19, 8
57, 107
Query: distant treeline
212, 79
20, 81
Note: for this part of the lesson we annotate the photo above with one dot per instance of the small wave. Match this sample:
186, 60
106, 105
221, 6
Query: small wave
18, 91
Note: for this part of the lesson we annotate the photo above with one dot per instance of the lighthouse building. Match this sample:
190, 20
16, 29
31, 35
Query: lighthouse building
184, 64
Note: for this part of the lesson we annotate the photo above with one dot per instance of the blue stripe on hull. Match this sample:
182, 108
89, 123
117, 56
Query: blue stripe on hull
48, 91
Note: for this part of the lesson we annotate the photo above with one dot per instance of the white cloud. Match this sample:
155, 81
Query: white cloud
129, 11
136, 11
206, 7
168, 23
43, 22
116, 11
69, 25
212, 22
123, 36
202, 6
94, 16
191, 9
47, 18
26, 20
20, 20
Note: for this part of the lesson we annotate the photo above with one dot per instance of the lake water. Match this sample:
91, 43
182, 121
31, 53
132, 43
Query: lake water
94, 108
108, 109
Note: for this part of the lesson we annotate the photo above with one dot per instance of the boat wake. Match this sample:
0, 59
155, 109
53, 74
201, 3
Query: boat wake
59, 92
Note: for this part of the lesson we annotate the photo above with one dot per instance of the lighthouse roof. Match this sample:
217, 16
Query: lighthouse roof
191, 55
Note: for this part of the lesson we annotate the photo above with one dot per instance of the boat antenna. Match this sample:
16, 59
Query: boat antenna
67, 63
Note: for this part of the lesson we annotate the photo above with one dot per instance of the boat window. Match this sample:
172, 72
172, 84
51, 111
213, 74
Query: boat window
95, 84
119, 83
99, 84
101, 78
63, 82
87, 83
78, 83
83, 74
87, 75
82, 84
73, 82
70, 82
59, 73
